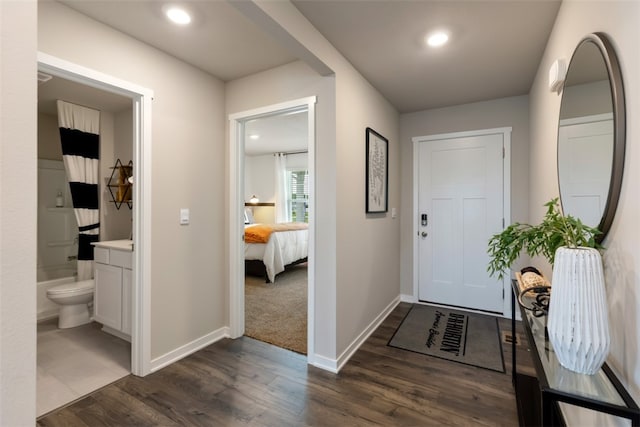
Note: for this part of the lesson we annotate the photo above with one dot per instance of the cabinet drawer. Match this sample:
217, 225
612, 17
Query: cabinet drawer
101, 255
120, 258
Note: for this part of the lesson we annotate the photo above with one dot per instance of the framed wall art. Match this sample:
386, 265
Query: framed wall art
377, 170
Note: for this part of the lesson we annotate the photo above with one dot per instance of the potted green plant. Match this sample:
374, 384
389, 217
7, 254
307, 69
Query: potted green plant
544, 239
578, 323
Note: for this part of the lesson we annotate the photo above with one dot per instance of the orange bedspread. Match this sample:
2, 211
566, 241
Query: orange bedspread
260, 233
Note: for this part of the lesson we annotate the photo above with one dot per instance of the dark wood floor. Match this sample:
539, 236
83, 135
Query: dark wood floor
245, 382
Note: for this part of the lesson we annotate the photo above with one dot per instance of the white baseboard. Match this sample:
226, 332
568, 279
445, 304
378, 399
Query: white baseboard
45, 315
189, 348
355, 345
322, 362
116, 333
408, 298
325, 363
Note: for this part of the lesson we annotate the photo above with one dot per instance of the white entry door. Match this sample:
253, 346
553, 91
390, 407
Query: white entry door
585, 151
460, 190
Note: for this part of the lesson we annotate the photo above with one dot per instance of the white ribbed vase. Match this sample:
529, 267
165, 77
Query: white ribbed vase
578, 323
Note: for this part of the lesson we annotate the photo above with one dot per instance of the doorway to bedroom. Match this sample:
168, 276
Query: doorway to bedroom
274, 148
276, 200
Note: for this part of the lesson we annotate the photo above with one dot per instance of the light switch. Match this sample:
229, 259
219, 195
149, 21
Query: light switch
184, 216
394, 213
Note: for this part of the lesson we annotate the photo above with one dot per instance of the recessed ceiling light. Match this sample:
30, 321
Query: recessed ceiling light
178, 15
437, 39
254, 136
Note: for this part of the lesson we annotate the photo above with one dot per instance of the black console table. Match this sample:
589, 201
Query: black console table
538, 397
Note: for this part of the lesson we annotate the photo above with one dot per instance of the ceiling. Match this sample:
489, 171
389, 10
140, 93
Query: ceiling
66, 90
281, 133
494, 49
219, 40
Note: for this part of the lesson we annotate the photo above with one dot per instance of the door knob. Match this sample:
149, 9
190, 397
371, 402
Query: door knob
423, 234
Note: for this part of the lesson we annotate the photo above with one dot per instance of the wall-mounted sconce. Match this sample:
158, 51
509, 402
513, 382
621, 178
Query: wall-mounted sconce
254, 201
557, 73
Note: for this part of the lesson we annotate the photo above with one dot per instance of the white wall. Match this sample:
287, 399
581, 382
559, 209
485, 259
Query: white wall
367, 246
115, 223
587, 100
49, 137
505, 112
259, 180
619, 19
357, 259
18, 171
260, 175
293, 81
188, 292
298, 160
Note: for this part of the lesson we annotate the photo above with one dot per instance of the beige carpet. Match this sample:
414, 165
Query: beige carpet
277, 312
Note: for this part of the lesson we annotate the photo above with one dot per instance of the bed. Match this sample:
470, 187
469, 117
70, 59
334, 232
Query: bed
287, 244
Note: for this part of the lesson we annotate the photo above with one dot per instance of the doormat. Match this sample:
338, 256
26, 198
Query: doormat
508, 338
469, 338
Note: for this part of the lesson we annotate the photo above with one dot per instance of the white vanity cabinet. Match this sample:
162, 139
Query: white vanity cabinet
113, 287
127, 296
107, 297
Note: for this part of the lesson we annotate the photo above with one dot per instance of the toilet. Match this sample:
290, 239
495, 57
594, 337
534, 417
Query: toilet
73, 299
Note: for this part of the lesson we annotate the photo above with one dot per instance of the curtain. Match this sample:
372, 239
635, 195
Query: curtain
282, 209
80, 138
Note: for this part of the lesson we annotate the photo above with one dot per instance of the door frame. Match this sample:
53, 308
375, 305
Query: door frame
236, 207
506, 198
141, 98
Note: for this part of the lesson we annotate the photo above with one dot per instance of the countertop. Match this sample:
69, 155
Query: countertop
123, 245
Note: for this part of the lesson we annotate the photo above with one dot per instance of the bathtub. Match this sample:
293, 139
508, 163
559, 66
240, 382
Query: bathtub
47, 278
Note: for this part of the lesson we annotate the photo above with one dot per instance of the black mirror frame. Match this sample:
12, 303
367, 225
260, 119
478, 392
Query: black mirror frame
619, 130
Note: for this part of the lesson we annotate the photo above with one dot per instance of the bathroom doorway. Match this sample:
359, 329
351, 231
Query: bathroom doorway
75, 361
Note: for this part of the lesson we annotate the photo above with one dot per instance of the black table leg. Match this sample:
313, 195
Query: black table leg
513, 340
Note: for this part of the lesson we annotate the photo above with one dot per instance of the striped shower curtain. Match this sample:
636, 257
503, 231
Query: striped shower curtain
80, 138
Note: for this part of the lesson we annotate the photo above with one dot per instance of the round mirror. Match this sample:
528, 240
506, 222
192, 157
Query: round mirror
591, 134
